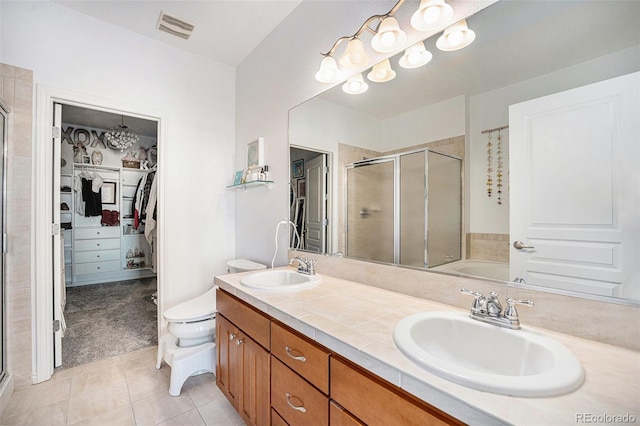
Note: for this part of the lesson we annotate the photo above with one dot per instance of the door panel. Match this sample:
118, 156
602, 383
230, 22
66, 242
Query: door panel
57, 243
316, 230
583, 221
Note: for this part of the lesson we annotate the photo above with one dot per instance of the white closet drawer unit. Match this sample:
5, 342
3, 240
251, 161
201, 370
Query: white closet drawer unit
97, 244
95, 267
96, 256
101, 232
131, 177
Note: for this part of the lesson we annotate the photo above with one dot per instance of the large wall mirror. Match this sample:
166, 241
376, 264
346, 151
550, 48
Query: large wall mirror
447, 125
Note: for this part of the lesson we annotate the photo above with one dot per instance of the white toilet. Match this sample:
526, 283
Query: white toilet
189, 347
243, 265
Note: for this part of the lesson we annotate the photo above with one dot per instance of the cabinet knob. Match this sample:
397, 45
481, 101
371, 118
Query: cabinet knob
239, 341
292, 405
232, 336
289, 351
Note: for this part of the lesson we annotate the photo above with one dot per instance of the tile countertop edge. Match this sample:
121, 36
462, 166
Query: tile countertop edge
435, 397
304, 311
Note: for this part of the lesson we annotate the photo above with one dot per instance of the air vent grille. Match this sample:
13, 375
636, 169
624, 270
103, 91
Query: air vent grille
175, 26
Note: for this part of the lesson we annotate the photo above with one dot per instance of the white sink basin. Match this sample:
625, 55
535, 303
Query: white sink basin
486, 357
280, 279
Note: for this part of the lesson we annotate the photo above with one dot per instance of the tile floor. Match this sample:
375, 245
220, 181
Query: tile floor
123, 390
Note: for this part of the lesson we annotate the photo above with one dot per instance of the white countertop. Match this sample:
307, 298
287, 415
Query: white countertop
357, 322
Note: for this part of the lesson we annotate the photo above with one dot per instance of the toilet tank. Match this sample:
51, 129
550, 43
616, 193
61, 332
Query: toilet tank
243, 265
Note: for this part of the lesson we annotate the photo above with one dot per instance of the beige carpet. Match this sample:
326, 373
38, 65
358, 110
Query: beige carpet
105, 320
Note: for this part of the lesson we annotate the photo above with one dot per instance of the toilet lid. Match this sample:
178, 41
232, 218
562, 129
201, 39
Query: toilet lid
245, 264
201, 307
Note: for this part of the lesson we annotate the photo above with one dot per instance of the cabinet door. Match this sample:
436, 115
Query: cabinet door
227, 373
338, 416
254, 404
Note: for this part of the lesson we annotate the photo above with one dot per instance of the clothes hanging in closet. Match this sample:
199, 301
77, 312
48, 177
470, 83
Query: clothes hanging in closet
88, 187
141, 199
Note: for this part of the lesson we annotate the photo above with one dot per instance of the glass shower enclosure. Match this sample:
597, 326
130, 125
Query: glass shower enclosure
405, 209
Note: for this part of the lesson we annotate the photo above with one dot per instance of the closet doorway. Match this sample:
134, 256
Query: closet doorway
105, 251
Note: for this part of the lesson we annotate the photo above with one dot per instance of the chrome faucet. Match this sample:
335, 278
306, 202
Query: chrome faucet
489, 309
305, 265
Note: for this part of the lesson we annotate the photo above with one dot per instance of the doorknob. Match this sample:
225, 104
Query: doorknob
520, 245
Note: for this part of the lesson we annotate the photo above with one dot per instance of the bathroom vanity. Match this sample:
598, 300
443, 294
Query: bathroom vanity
325, 355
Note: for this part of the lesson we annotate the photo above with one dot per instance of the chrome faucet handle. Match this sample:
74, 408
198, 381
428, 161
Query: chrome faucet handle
511, 313
479, 301
494, 308
310, 268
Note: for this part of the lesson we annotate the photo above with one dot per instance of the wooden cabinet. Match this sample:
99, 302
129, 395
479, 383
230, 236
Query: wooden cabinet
301, 382
376, 402
243, 368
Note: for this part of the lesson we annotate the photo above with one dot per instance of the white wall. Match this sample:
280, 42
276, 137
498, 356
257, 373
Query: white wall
443, 120
77, 53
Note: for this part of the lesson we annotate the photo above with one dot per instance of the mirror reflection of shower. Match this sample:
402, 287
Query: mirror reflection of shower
405, 209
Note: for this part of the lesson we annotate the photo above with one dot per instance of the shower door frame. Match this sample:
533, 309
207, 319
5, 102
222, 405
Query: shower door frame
4, 111
395, 158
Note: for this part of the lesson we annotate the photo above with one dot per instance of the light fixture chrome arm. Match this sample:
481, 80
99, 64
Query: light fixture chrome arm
365, 26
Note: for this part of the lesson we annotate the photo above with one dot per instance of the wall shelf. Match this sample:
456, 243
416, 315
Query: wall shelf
244, 186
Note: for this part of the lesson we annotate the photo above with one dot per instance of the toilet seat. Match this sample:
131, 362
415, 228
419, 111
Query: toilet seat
202, 308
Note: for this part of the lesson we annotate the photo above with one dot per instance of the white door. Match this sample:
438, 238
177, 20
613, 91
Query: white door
57, 249
316, 204
575, 189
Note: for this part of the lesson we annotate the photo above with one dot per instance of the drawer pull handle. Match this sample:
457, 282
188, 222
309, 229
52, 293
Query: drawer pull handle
232, 336
239, 341
288, 350
295, 407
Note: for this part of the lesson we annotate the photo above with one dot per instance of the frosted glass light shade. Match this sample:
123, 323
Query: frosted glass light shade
431, 15
382, 72
415, 56
354, 57
355, 85
456, 37
329, 72
389, 37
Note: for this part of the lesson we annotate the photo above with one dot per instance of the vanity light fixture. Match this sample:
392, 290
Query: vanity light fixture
329, 72
355, 85
354, 57
456, 37
382, 72
121, 136
431, 14
389, 37
415, 56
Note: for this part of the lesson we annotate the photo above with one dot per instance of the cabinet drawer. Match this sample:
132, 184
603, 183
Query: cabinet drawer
96, 256
295, 399
92, 233
246, 318
304, 357
276, 420
102, 244
338, 416
95, 267
130, 178
376, 402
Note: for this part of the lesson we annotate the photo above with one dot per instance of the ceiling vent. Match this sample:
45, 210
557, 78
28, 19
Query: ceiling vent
175, 26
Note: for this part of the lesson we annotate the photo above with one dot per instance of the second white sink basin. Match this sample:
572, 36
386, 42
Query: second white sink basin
280, 279
488, 358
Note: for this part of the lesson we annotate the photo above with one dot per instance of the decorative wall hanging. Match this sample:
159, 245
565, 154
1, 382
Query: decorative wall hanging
298, 169
499, 168
499, 162
255, 153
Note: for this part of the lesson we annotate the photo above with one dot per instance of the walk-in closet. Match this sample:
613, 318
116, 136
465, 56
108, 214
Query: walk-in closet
105, 196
